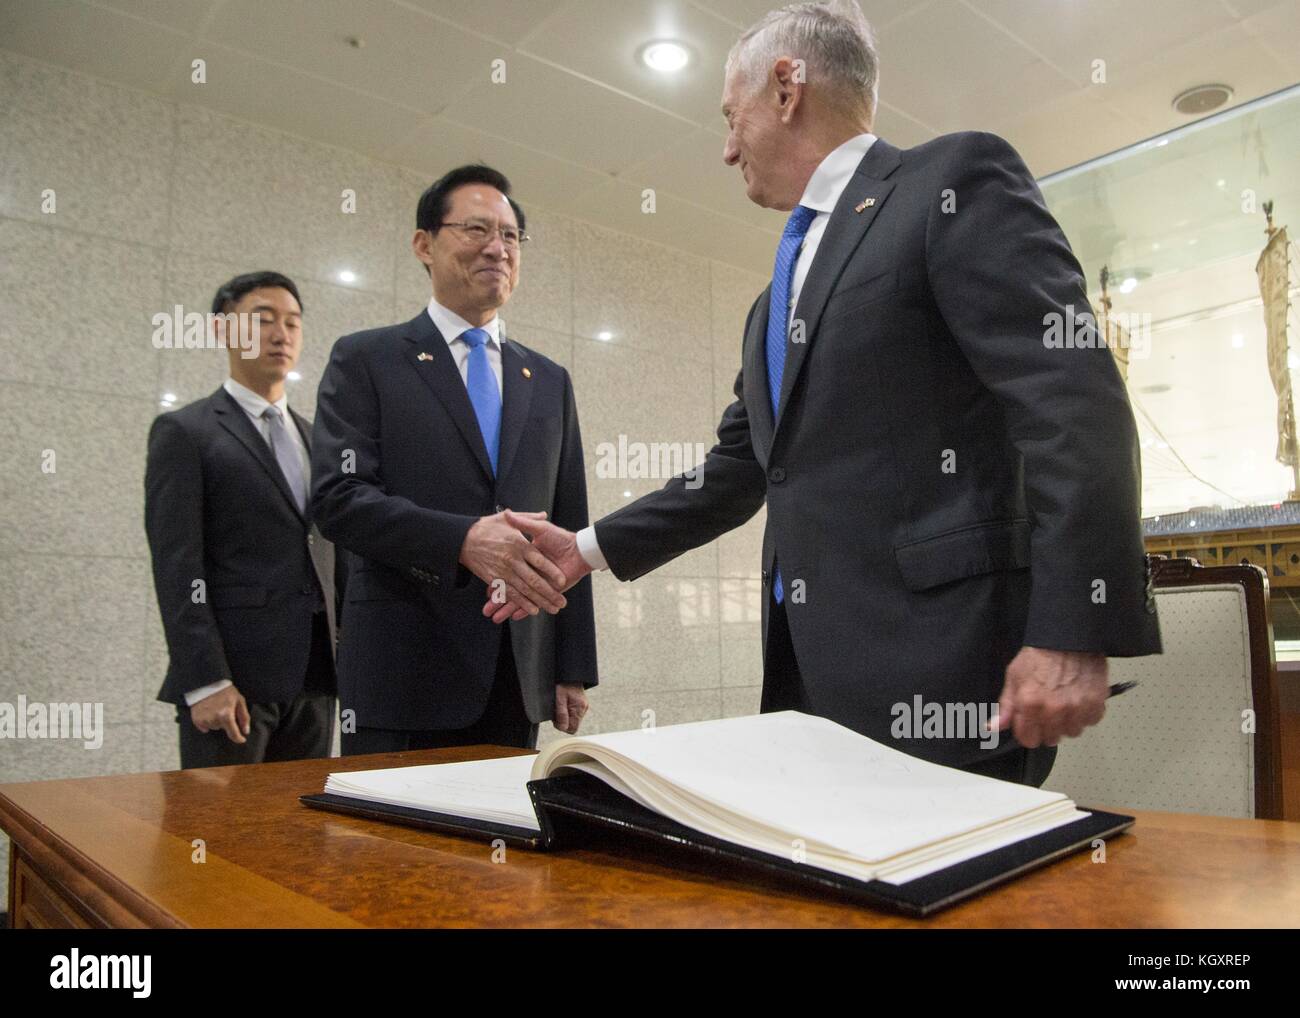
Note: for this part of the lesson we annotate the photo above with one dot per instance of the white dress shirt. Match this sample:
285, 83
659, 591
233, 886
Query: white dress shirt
451, 325
255, 405
824, 188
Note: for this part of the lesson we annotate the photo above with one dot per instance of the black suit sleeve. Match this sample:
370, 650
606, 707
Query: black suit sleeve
348, 500
575, 627
1000, 269
728, 490
173, 522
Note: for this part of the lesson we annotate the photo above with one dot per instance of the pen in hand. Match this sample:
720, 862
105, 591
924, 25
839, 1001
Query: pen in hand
1115, 689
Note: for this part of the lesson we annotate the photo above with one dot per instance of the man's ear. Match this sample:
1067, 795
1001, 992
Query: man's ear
420, 244
788, 80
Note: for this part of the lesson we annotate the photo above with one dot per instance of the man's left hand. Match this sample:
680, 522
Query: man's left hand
570, 706
1049, 694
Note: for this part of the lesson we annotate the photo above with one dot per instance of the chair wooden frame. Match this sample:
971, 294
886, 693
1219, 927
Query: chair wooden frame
1188, 572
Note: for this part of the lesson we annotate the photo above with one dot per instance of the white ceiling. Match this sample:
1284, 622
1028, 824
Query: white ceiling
582, 128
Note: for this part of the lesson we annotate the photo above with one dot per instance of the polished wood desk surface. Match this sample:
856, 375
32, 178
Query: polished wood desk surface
120, 850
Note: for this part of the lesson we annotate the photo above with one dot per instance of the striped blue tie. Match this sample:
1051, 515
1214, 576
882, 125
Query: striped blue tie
778, 314
483, 392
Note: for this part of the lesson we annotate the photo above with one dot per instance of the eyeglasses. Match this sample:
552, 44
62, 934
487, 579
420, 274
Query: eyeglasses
481, 233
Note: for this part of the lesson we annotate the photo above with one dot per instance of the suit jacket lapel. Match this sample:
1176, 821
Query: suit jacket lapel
304, 429
517, 396
432, 360
759, 408
319, 550
843, 234
232, 417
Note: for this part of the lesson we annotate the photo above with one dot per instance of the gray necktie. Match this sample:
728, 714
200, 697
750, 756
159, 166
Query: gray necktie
286, 454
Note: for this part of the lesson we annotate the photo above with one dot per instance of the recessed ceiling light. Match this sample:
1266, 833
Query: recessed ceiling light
1238, 340
294, 376
605, 335
347, 276
169, 397
1129, 285
665, 56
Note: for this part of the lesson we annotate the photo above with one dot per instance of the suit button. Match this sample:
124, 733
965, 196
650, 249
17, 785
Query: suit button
308, 590
776, 475
500, 510
311, 539
435, 580
764, 576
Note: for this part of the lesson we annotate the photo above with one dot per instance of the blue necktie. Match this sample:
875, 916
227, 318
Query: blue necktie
483, 392
286, 454
778, 315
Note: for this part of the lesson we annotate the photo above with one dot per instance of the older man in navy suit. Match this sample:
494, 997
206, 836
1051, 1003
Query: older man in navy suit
953, 500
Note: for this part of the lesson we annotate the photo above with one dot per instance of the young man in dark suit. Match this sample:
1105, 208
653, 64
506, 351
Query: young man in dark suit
246, 586
424, 432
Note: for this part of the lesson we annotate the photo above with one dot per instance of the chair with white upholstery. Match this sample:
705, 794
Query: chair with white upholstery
1199, 734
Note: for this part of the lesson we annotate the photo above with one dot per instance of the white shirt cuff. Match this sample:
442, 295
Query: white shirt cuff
589, 548
203, 692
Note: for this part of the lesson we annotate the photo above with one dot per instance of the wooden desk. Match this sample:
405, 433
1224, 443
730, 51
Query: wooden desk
1288, 697
117, 851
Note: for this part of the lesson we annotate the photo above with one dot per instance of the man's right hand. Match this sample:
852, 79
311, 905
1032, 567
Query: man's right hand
225, 710
560, 547
500, 556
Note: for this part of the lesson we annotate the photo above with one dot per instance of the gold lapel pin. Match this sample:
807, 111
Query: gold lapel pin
424, 356
866, 203
527, 373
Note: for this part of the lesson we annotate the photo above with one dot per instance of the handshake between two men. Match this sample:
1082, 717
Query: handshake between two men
526, 562
525, 577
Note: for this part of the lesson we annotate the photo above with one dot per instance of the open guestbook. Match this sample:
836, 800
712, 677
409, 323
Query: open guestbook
804, 799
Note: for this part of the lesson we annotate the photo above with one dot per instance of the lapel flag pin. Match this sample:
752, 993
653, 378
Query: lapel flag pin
424, 356
527, 373
866, 203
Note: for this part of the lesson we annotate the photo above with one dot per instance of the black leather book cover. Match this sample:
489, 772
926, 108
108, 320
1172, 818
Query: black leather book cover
574, 810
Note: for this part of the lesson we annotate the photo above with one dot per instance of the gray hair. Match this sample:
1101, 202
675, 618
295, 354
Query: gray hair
833, 39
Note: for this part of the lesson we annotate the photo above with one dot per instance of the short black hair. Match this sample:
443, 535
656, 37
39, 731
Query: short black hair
431, 210
230, 292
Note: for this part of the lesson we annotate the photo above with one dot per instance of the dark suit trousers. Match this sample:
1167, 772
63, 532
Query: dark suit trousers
503, 722
300, 729
783, 689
